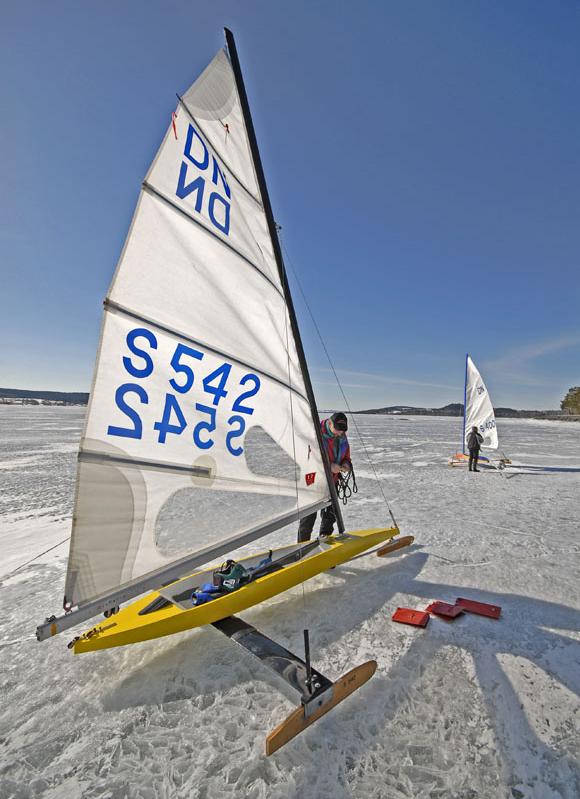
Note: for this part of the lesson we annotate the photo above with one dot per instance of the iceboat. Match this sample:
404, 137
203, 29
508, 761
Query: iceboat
202, 433
478, 411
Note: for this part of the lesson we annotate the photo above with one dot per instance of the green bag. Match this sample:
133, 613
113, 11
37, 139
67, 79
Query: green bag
230, 575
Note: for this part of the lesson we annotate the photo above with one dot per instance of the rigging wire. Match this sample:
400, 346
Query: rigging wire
22, 565
346, 402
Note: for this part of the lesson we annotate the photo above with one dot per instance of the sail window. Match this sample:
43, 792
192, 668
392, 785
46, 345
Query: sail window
192, 517
266, 457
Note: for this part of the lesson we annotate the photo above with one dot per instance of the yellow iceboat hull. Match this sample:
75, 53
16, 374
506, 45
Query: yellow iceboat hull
128, 627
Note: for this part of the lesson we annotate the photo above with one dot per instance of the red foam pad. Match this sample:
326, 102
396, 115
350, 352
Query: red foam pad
444, 609
418, 618
481, 608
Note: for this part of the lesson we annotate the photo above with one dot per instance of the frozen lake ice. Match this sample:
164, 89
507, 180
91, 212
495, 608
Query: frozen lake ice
470, 709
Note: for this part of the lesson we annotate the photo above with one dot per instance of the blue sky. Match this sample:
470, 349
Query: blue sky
422, 158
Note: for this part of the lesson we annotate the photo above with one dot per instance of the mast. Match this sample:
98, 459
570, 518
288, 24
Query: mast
464, 404
280, 264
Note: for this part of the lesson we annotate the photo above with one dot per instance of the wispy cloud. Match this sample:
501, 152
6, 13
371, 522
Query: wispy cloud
371, 380
517, 363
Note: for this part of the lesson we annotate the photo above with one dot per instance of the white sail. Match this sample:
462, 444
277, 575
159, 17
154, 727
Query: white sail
478, 408
199, 431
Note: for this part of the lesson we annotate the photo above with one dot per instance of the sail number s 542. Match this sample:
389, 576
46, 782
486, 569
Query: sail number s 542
178, 412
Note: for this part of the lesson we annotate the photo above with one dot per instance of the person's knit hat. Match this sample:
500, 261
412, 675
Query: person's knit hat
340, 421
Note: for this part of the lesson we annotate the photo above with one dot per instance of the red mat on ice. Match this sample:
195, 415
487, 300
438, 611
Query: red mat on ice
444, 609
418, 618
481, 608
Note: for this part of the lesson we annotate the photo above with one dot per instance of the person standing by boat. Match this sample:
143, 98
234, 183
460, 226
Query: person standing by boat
337, 449
474, 442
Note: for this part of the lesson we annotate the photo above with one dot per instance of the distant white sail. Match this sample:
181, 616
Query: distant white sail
478, 408
199, 428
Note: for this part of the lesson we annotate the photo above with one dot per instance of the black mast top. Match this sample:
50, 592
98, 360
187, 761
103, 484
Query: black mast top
280, 263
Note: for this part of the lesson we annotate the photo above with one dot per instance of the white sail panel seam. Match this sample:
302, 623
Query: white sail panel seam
103, 458
156, 194
224, 161
90, 456
115, 306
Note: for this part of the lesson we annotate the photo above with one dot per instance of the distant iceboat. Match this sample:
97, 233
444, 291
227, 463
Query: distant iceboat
478, 411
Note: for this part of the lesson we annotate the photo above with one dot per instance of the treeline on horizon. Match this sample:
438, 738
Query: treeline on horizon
570, 404
456, 409
67, 397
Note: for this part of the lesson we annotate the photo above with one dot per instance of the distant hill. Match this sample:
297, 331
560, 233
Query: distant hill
456, 409
21, 396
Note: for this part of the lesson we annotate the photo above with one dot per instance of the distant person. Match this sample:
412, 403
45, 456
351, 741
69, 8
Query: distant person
474, 442
337, 448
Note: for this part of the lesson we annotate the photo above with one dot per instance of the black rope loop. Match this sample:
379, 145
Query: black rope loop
343, 486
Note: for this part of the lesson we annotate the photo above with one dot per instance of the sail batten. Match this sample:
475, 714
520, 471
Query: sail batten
286, 487
201, 432
88, 456
175, 207
152, 190
148, 320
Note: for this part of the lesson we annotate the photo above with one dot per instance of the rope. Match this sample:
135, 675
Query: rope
343, 488
346, 403
22, 565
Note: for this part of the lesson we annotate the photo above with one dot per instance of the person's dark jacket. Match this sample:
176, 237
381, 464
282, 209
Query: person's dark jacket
474, 440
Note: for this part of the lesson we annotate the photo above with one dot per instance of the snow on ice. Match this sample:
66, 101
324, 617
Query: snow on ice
469, 709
